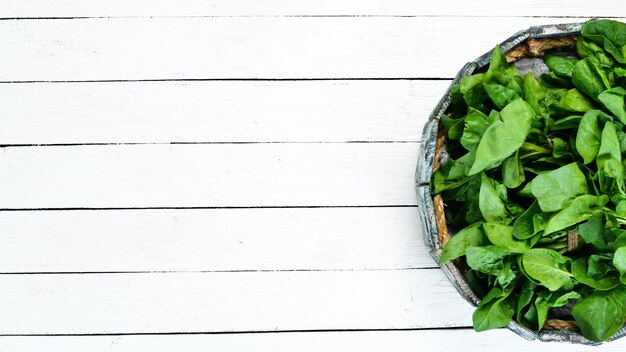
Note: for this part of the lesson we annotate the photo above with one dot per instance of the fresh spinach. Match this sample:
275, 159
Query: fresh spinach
535, 166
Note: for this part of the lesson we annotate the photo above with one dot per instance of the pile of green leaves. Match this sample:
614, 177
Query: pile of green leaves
533, 163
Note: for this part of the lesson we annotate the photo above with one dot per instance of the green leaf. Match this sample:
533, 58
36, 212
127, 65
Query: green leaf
579, 270
619, 262
560, 149
589, 79
589, 134
609, 157
476, 124
502, 236
488, 259
471, 88
592, 231
494, 311
566, 123
609, 145
506, 276
556, 188
613, 100
513, 171
581, 209
523, 227
575, 101
472, 235
499, 94
609, 34
561, 65
450, 175
546, 300
503, 138
525, 298
547, 267
533, 94
601, 314
489, 202
599, 265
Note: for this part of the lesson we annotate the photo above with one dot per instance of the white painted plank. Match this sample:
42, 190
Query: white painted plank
216, 175
233, 48
344, 341
43, 8
209, 302
212, 240
217, 111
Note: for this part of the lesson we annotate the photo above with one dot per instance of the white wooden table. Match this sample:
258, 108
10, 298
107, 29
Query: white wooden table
233, 175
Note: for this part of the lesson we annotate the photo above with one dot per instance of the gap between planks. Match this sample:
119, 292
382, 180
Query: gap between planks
219, 8
365, 341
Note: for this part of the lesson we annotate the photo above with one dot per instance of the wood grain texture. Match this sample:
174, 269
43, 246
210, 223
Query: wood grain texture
212, 240
221, 175
244, 48
344, 341
217, 111
218, 302
483, 8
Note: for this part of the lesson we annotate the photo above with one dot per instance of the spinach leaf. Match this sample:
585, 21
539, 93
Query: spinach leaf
526, 295
487, 259
601, 314
609, 34
533, 94
548, 267
502, 236
474, 94
574, 101
523, 227
503, 137
566, 123
476, 124
458, 244
547, 299
613, 100
609, 157
589, 79
489, 202
589, 134
561, 65
580, 209
619, 261
499, 94
593, 231
494, 311
599, 265
513, 171
555, 189
580, 271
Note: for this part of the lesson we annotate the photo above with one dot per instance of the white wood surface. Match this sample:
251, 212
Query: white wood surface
249, 47
238, 8
219, 302
217, 111
208, 175
212, 240
285, 221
